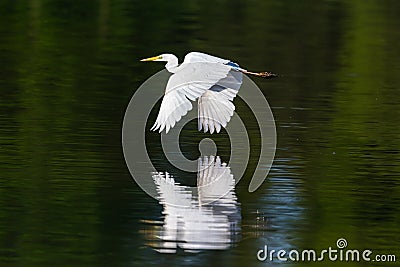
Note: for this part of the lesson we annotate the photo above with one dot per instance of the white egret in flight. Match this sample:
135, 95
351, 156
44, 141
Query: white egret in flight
213, 81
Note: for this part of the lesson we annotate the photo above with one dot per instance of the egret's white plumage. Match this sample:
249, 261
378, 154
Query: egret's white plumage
213, 81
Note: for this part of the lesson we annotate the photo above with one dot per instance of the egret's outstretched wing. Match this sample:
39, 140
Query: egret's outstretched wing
201, 57
189, 82
215, 107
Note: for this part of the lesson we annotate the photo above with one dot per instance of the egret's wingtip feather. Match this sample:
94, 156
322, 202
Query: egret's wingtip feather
212, 130
154, 127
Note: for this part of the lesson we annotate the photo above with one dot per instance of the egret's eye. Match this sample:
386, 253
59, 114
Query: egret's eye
159, 57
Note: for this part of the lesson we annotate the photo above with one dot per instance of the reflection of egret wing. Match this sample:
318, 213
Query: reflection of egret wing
215, 181
202, 229
170, 192
171, 195
215, 106
188, 83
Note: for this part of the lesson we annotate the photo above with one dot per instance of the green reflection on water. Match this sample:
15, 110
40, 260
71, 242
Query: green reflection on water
69, 69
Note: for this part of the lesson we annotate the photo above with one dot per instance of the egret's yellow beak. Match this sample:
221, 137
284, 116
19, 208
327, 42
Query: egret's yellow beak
151, 58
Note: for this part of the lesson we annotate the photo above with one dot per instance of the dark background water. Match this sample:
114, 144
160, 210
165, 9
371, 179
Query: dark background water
69, 69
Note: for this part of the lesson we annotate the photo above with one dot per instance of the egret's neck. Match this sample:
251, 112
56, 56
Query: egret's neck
172, 64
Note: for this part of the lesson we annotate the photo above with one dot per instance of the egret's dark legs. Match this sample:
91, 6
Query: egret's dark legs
265, 74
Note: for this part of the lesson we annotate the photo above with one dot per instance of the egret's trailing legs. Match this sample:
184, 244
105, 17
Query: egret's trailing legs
264, 74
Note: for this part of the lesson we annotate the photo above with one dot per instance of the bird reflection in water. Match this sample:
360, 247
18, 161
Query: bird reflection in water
203, 218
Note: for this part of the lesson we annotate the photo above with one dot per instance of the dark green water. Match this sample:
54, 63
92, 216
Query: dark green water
69, 68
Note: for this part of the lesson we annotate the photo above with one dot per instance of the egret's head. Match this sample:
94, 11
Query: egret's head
163, 57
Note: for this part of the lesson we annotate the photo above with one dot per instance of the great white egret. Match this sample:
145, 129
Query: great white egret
213, 81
